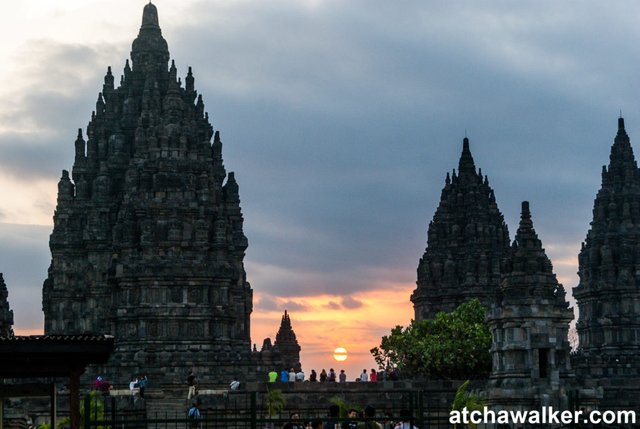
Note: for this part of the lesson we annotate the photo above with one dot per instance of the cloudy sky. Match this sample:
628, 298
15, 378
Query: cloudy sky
340, 119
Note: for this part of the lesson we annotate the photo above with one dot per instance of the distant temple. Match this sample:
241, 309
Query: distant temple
147, 242
284, 353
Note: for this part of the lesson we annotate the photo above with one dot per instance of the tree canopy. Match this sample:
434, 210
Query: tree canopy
453, 345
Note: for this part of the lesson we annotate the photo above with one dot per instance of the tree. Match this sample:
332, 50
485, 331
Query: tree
469, 400
96, 410
453, 345
275, 402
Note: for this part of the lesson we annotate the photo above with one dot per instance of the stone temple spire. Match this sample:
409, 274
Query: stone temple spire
528, 271
6, 314
149, 51
465, 244
287, 344
529, 321
608, 295
148, 241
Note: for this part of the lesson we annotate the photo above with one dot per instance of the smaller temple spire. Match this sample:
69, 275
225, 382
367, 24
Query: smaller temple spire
189, 81
80, 146
466, 166
287, 344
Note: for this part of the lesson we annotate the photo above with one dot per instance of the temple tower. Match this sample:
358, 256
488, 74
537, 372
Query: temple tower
466, 241
147, 242
6, 314
529, 322
287, 344
608, 295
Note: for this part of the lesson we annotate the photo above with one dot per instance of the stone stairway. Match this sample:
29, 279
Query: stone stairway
168, 403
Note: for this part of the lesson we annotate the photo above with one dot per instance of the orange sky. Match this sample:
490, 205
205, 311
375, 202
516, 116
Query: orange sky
322, 329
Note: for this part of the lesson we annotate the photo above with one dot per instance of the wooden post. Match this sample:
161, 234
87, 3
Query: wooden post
74, 397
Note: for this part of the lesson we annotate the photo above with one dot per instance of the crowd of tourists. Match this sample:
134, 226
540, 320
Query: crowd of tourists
286, 376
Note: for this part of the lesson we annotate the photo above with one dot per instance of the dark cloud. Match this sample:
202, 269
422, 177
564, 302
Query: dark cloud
269, 303
332, 305
351, 303
346, 303
341, 120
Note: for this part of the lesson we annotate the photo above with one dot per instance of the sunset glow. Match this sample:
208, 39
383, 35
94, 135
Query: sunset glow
319, 325
340, 354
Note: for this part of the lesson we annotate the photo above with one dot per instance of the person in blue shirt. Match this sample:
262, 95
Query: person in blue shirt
284, 376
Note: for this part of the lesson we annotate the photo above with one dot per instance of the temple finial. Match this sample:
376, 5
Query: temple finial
150, 16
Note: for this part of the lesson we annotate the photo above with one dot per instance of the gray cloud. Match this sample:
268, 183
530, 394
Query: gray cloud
64, 80
24, 259
341, 121
351, 303
270, 303
332, 305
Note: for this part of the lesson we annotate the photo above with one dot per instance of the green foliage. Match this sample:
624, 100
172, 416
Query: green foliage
344, 406
468, 400
453, 345
96, 410
275, 402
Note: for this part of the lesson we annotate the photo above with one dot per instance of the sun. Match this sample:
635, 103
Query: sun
340, 354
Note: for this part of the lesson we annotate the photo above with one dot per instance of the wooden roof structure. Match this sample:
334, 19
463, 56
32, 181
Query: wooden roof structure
48, 356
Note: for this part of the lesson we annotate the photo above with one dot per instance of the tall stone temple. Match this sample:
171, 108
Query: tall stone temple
608, 295
6, 314
529, 324
466, 242
147, 242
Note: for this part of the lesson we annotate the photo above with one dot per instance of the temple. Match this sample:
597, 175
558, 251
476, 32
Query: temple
148, 243
287, 344
6, 314
466, 241
608, 295
529, 322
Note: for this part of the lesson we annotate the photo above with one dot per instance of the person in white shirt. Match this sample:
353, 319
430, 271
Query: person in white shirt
405, 415
133, 386
364, 376
300, 376
235, 384
292, 375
